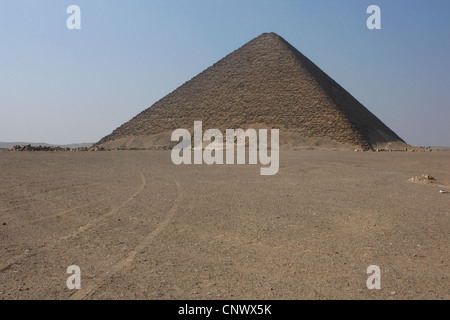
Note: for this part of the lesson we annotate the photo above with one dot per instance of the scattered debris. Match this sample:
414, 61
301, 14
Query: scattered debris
93, 148
29, 147
427, 178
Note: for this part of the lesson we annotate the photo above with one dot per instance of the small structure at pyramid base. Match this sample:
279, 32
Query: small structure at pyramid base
265, 84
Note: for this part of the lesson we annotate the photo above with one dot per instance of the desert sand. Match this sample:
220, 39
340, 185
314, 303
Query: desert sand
141, 227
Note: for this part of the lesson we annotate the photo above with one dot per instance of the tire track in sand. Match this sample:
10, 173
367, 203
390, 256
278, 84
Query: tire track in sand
84, 190
58, 214
7, 264
109, 213
69, 210
128, 259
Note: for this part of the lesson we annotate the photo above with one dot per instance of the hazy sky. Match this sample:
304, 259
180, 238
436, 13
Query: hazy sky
64, 86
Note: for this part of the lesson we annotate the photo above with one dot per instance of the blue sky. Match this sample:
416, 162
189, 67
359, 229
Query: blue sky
65, 86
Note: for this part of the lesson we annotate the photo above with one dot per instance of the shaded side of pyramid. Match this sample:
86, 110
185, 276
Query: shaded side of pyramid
266, 83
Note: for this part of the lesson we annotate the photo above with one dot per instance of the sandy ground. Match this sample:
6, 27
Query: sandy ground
140, 227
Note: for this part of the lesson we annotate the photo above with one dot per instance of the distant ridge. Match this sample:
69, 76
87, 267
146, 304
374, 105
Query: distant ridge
265, 83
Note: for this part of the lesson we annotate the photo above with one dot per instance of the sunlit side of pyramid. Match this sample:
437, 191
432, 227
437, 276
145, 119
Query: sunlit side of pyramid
266, 83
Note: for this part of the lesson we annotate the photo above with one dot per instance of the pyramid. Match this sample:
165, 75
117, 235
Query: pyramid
266, 83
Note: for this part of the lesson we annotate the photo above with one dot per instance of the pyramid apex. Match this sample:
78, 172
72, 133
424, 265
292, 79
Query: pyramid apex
270, 38
269, 35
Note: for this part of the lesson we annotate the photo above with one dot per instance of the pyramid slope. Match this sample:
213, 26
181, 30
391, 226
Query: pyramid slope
265, 83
